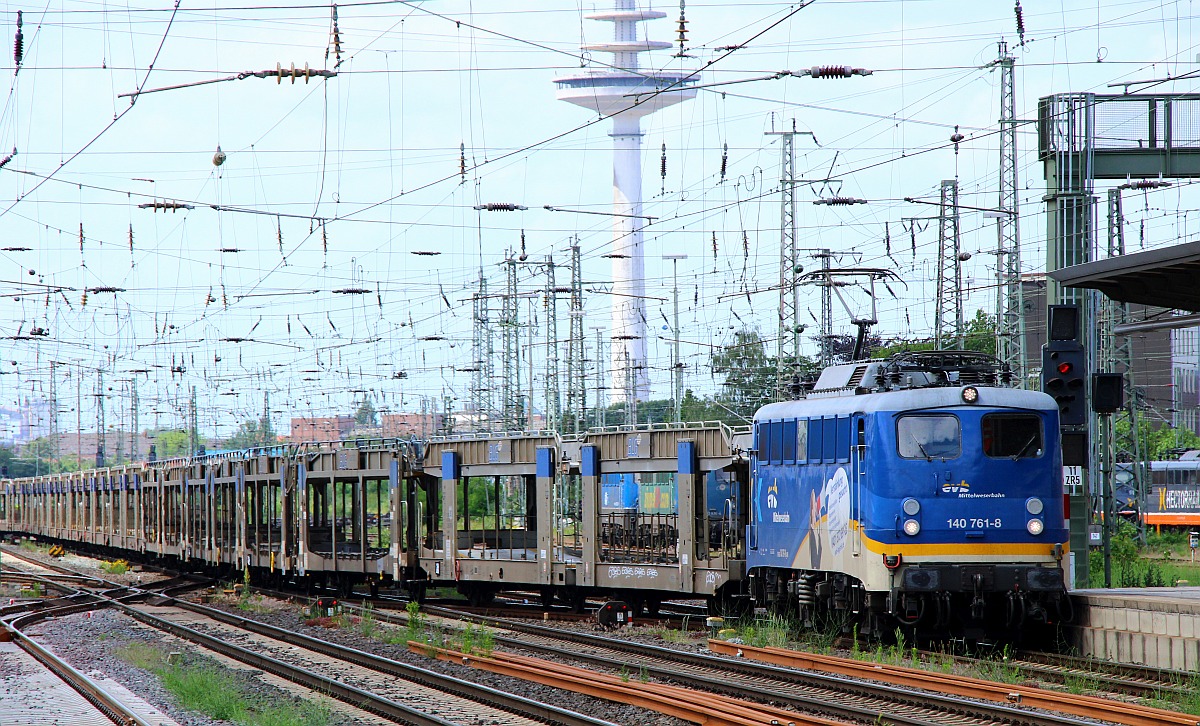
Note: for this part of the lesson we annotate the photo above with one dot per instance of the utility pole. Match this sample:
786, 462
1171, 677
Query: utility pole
576, 372
826, 256
529, 347
79, 416
481, 355
120, 452
676, 363
193, 425
100, 418
553, 393
601, 408
949, 281
1010, 317
510, 324
788, 339
134, 449
630, 385
447, 414
53, 410
266, 430
1121, 352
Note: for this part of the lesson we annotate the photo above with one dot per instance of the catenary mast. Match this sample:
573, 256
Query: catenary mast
625, 93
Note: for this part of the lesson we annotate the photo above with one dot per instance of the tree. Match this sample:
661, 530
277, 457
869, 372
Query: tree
750, 376
1159, 441
251, 434
980, 333
171, 443
366, 414
841, 347
693, 408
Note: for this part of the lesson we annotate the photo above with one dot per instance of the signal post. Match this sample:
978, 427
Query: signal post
1064, 377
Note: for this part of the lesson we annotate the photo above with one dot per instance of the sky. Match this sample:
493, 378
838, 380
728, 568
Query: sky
293, 270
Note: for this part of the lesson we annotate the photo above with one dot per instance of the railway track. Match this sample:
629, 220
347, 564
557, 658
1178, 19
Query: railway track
372, 683
18, 617
1076, 673
1090, 707
854, 700
1134, 680
835, 695
840, 698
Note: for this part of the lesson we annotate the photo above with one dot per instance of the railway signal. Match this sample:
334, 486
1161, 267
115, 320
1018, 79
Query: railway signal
1064, 365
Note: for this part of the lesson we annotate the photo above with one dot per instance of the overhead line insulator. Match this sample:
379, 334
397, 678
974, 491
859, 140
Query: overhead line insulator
840, 201
833, 72
500, 207
18, 44
294, 73
172, 206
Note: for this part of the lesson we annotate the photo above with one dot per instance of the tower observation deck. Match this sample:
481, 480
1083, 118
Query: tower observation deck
625, 93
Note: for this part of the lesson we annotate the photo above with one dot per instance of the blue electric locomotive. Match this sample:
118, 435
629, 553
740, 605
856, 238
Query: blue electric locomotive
914, 491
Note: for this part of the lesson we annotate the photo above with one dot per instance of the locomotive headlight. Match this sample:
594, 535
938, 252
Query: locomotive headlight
1034, 506
912, 527
970, 394
1035, 526
911, 507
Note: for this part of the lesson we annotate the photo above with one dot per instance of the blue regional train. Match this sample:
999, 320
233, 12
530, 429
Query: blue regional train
914, 491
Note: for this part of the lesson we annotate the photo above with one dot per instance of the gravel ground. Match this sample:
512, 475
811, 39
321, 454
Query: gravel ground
288, 616
95, 643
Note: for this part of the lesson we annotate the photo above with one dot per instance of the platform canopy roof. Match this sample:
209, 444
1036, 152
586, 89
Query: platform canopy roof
1168, 277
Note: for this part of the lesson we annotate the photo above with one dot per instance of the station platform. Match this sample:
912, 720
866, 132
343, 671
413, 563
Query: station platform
1153, 626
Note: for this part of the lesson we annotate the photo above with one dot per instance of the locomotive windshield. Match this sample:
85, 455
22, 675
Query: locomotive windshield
1015, 436
937, 436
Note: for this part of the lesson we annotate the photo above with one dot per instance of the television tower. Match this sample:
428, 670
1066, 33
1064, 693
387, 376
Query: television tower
623, 92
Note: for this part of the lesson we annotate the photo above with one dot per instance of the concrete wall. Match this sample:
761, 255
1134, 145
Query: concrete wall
1133, 627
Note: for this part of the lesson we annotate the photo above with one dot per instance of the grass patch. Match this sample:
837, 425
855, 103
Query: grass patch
1187, 701
773, 631
116, 567
30, 546
1000, 669
204, 687
672, 635
368, 626
252, 604
1080, 683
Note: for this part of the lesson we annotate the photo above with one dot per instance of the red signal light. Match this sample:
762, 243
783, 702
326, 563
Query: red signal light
1064, 368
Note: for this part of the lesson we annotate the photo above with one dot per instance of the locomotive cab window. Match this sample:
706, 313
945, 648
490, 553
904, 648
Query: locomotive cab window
1015, 436
929, 437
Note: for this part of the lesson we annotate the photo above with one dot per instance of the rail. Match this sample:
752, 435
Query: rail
1070, 703
683, 703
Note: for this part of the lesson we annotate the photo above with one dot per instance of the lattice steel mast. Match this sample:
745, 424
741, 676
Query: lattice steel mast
949, 281
788, 340
553, 393
1010, 322
510, 325
481, 359
576, 372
